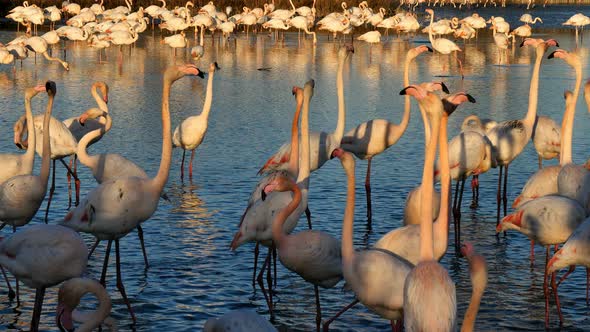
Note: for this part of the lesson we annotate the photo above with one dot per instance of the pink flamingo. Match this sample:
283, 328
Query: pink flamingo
68, 298
371, 138
478, 271
114, 208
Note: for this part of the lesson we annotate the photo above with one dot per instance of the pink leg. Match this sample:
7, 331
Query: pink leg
368, 191
190, 166
140, 234
70, 185
554, 288
546, 289
326, 326
532, 252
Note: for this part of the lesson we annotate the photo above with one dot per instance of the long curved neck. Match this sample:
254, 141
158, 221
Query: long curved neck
81, 152
103, 310
339, 132
401, 128
160, 180
442, 221
531, 114
303, 176
50, 58
29, 156
426, 245
294, 154
478, 285
348, 221
46, 158
209, 95
99, 100
277, 226
430, 30
567, 124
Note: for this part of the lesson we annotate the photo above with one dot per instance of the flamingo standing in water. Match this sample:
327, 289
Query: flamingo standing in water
68, 298
42, 256
443, 45
313, 255
39, 45
510, 137
114, 208
191, 132
373, 137
21, 164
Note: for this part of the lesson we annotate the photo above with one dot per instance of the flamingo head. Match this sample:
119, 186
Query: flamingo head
467, 249
435, 86
429, 11
51, 88
279, 183
451, 102
531, 42
511, 221
214, 66
63, 316
560, 54
346, 159
562, 258
19, 131
415, 91
337, 153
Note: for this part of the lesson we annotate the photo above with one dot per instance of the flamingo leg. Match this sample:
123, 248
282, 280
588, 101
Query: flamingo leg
308, 215
120, 285
458, 244
532, 252
190, 165
318, 314
455, 223
554, 288
504, 194
460, 65
474, 191
182, 165
140, 234
11, 293
51, 190
571, 269
93, 248
546, 289
274, 260
498, 196
103, 276
368, 191
39, 295
76, 180
70, 185
256, 252
261, 284
587, 283
326, 326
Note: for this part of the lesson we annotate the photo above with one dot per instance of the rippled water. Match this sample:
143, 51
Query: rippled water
193, 275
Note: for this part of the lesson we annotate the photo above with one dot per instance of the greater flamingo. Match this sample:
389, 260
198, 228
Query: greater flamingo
114, 208
373, 137
192, 130
313, 255
68, 298
42, 256
478, 271
39, 45
321, 143
443, 45
510, 137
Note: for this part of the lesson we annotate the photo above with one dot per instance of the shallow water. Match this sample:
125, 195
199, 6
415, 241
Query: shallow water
193, 275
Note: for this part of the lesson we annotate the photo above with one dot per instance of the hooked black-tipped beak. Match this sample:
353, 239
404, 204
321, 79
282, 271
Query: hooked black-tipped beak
403, 92
51, 88
20, 146
263, 195
312, 83
470, 98
522, 43
444, 88
552, 55
216, 65
429, 49
201, 74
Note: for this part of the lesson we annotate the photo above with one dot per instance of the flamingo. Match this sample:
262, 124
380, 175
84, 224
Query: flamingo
114, 208
192, 130
256, 220
22, 195
175, 41
99, 44
528, 18
43, 256
478, 271
321, 143
548, 220
68, 298
371, 138
39, 45
21, 164
577, 20
313, 255
443, 45
371, 37
510, 137
247, 320
428, 287
501, 41
78, 129
381, 292
405, 241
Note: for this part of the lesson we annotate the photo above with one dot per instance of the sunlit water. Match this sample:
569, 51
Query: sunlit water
193, 275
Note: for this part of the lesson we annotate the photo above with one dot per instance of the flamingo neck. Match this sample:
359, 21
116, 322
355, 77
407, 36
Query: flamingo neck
99, 100
430, 30
160, 180
50, 58
347, 250
427, 127
401, 128
339, 132
531, 114
103, 310
91, 161
442, 221
46, 157
29, 156
478, 271
277, 226
303, 175
567, 124
426, 243
208, 96
294, 154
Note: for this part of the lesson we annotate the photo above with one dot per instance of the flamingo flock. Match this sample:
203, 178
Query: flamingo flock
399, 277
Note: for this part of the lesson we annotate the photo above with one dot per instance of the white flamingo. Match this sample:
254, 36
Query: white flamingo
39, 45
443, 45
192, 130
